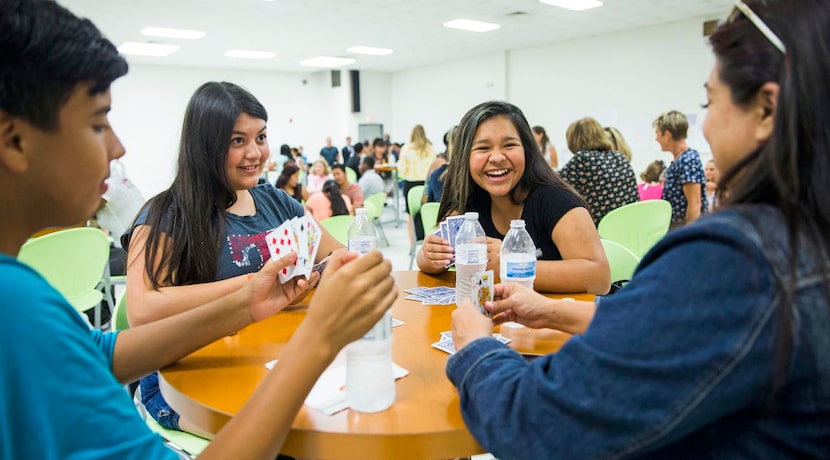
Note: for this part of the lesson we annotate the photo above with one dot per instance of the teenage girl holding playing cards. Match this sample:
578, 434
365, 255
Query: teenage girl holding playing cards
680, 363
201, 238
498, 171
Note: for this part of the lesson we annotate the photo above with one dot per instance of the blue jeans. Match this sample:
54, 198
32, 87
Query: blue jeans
155, 404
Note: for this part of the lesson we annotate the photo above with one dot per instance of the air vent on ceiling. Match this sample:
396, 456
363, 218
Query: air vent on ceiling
517, 13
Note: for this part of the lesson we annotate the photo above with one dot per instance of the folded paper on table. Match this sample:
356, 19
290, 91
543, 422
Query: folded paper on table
329, 393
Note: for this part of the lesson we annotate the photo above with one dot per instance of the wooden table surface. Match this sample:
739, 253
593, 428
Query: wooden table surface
211, 385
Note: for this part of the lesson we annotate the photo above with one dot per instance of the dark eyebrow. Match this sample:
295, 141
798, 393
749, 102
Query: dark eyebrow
706, 85
260, 131
102, 111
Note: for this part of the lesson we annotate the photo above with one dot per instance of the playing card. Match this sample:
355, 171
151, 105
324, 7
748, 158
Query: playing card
445, 230
314, 236
453, 226
304, 261
320, 267
483, 290
281, 242
445, 345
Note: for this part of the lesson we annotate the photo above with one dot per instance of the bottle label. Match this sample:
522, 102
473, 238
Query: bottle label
382, 330
471, 254
521, 269
362, 245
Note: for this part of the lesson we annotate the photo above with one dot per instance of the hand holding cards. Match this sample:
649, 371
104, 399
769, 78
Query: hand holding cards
301, 235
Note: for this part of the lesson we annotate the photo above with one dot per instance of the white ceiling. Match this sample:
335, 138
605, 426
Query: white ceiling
300, 29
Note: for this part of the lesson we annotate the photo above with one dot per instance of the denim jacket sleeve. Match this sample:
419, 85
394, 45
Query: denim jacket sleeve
684, 344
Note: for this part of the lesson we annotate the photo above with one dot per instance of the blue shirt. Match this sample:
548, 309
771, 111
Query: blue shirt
58, 396
685, 169
330, 154
677, 364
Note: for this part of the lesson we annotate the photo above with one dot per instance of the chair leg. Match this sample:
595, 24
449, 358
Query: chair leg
382, 234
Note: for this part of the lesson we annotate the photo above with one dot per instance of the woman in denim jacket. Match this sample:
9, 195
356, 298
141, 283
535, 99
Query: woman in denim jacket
680, 363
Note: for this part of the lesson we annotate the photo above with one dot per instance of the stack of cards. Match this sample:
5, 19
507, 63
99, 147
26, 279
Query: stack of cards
446, 345
301, 235
449, 228
440, 295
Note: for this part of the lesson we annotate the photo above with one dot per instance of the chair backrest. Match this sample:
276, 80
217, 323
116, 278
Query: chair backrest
120, 322
71, 260
414, 199
622, 261
377, 200
637, 226
338, 226
351, 175
429, 216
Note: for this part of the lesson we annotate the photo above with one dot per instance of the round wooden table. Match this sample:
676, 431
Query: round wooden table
211, 385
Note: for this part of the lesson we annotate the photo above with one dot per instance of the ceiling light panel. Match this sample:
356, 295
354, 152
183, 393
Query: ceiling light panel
165, 32
372, 51
147, 49
471, 25
573, 5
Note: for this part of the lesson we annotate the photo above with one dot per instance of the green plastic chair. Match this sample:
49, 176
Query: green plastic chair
351, 175
429, 216
637, 226
73, 261
186, 443
189, 444
377, 202
338, 226
120, 321
413, 203
622, 261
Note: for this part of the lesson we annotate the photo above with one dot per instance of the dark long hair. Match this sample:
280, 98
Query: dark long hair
197, 201
460, 190
332, 192
289, 170
790, 170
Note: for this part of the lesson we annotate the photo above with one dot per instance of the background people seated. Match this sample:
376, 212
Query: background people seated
330, 202
601, 175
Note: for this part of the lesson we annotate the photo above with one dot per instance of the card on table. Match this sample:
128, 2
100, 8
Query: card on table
483, 290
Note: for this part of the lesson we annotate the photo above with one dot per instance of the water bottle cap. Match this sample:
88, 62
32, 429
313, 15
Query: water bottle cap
517, 223
360, 212
471, 215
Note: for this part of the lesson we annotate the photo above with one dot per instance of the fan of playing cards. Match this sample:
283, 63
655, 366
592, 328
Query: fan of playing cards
301, 235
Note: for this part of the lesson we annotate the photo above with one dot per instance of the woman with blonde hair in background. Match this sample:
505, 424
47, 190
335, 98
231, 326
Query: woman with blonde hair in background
618, 143
415, 159
600, 174
319, 174
545, 146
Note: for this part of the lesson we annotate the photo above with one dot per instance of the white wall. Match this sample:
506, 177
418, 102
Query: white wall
149, 104
438, 96
623, 79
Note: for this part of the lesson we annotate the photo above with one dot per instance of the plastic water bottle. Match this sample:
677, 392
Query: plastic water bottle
370, 379
518, 256
470, 255
362, 236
